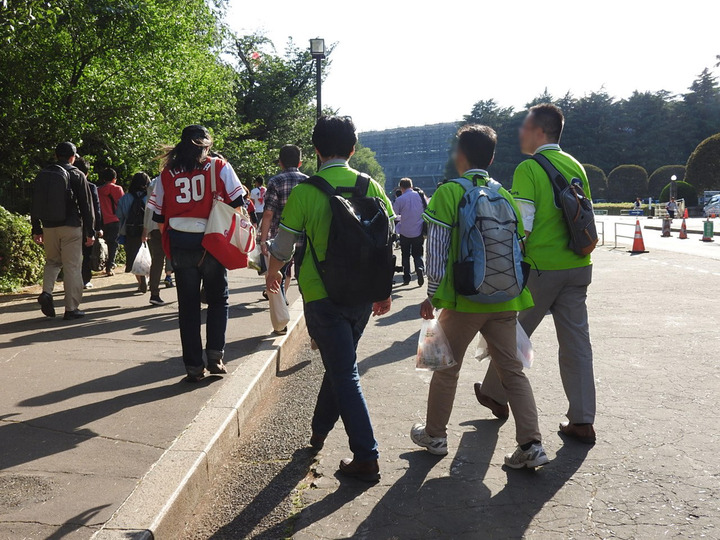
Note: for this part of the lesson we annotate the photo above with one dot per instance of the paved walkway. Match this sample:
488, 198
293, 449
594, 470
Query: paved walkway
653, 473
88, 407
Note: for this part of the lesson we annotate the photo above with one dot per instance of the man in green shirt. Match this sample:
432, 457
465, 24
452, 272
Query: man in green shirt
461, 318
559, 279
336, 329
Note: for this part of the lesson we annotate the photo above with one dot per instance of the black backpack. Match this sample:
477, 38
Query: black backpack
576, 207
424, 204
52, 193
135, 222
359, 263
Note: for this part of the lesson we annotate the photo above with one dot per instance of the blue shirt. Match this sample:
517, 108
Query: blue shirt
409, 209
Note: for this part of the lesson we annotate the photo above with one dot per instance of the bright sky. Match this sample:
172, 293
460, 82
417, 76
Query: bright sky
402, 63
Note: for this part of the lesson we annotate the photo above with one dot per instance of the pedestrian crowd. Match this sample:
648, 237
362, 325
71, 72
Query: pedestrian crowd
496, 262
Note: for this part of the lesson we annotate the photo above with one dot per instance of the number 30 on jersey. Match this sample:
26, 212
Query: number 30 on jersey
191, 189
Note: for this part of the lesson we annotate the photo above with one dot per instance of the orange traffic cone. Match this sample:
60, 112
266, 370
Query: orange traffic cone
683, 230
685, 215
638, 243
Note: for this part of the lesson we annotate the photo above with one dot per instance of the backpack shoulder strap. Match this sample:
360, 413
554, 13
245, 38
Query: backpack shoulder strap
464, 182
558, 181
320, 183
362, 185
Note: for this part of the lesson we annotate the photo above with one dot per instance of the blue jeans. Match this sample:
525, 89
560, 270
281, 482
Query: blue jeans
195, 268
336, 330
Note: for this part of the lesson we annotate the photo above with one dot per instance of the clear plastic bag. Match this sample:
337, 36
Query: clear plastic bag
434, 352
256, 260
525, 353
143, 261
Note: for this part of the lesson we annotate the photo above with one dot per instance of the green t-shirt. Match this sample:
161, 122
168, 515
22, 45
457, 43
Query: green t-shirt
547, 245
442, 210
308, 209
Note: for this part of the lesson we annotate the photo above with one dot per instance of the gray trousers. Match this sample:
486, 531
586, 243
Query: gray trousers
563, 293
63, 251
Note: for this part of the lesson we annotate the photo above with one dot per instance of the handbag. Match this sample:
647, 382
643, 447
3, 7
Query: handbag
229, 235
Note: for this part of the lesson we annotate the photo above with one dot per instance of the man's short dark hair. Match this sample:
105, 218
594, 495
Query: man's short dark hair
477, 143
65, 150
259, 180
107, 175
82, 165
290, 156
550, 119
406, 183
334, 136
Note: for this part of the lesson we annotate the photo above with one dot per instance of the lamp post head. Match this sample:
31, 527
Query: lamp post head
673, 178
317, 48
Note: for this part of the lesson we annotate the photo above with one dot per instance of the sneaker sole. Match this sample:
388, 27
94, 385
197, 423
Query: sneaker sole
529, 464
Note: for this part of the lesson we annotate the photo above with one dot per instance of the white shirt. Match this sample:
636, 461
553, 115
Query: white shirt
258, 198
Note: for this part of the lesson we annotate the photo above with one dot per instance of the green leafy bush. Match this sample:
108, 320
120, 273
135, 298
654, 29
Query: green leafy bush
598, 181
627, 182
703, 167
684, 191
21, 260
661, 176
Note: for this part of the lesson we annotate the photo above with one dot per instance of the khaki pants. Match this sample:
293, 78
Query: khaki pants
63, 250
500, 333
563, 293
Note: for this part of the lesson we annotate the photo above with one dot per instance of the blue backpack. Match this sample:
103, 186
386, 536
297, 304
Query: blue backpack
490, 268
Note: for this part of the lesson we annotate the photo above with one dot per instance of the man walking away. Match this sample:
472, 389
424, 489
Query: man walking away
62, 221
110, 194
409, 207
335, 327
559, 279
276, 196
153, 237
463, 317
258, 198
84, 168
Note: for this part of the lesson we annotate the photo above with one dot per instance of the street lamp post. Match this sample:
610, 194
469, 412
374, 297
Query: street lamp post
673, 186
317, 51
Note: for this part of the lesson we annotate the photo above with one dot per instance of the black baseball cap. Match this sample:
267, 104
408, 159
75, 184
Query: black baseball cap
66, 150
195, 132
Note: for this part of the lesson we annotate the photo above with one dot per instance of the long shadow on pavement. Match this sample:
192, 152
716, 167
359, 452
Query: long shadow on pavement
75, 523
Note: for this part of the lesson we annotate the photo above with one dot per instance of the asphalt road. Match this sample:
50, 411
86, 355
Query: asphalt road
651, 475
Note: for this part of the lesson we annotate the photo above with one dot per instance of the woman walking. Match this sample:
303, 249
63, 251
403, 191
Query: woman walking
182, 201
131, 213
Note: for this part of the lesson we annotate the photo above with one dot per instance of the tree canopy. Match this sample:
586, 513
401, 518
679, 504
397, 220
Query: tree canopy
703, 167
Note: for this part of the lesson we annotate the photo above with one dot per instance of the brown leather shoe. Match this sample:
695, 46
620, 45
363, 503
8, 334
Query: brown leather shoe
317, 441
584, 433
367, 471
498, 409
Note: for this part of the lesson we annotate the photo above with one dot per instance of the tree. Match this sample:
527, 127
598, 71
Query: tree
684, 191
703, 167
598, 181
659, 179
700, 111
627, 182
364, 161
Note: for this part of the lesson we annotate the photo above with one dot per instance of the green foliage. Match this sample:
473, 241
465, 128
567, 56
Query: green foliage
661, 176
615, 209
684, 191
627, 182
703, 167
598, 181
364, 161
117, 77
21, 260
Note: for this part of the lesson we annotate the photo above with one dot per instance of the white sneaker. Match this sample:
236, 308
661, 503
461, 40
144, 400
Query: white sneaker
434, 445
534, 456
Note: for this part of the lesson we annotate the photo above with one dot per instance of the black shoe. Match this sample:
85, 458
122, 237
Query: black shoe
155, 300
216, 367
46, 304
406, 282
280, 332
74, 315
421, 278
195, 377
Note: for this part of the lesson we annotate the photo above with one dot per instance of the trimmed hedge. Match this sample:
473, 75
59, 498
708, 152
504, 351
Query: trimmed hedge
684, 191
627, 182
703, 166
21, 260
659, 179
598, 181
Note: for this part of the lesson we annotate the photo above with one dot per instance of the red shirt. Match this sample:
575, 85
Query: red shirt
109, 195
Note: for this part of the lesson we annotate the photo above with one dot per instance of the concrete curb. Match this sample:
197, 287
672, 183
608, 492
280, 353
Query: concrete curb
677, 230
166, 495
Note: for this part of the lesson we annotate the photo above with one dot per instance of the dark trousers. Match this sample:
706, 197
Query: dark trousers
412, 247
87, 263
194, 268
336, 330
110, 235
158, 261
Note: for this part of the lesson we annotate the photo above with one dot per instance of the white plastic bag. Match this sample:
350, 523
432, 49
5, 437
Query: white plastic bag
525, 353
434, 352
279, 312
143, 261
256, 261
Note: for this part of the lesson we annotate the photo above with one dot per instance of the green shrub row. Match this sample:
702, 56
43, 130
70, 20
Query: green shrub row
21, 260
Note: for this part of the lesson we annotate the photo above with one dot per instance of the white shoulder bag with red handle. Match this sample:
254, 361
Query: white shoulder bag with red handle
229, 235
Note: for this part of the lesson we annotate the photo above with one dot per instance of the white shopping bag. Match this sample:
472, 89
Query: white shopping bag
279, 312
434, 352
143, 261
525, 352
